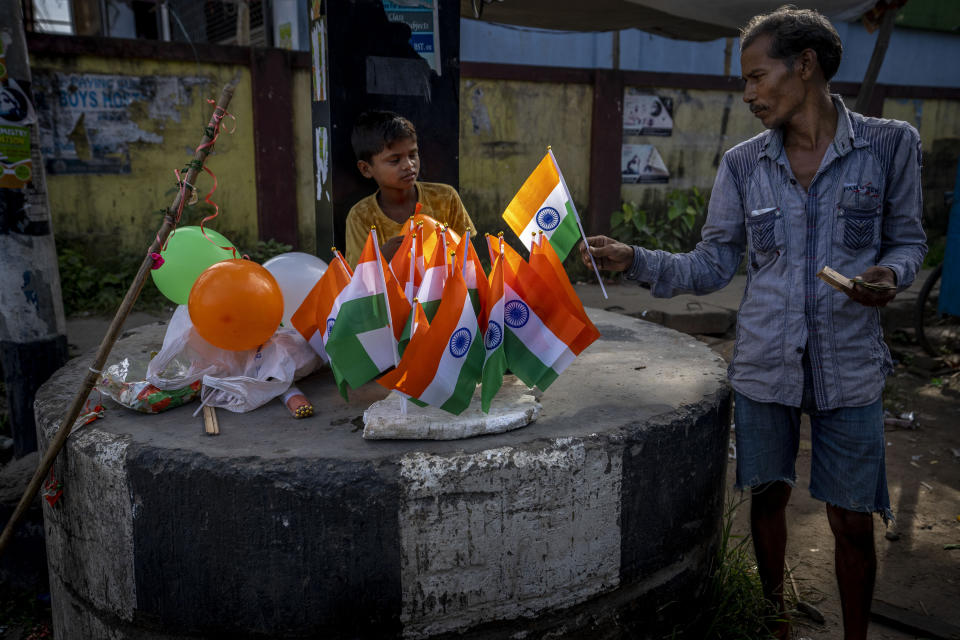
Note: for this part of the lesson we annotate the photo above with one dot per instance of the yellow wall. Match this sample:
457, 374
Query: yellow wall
119, 211
934, 119
306, 182
505, 128
700, 136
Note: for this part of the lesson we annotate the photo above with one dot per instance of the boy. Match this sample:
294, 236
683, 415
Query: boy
386, 148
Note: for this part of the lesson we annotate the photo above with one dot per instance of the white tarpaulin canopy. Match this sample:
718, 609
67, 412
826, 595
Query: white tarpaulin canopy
682, 19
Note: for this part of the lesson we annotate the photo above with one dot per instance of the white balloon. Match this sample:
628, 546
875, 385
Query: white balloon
296, 273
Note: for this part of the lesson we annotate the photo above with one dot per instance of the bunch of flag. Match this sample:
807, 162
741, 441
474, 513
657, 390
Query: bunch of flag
436, 325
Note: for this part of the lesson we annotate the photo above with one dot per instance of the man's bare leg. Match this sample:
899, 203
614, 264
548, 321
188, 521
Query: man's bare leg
856, 566
768, 526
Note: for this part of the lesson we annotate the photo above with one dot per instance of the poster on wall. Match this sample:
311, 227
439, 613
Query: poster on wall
15, 162
646, 114
421, 17
86, 122
642, 164
318, 50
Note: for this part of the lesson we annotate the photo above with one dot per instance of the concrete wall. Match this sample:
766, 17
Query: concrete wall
505, 128
120, 210
506, 125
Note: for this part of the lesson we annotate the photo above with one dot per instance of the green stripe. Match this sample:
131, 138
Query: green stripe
475, 300
524, 364
352, 360
344, 348
467, 380
361, 315
405, 334
492, 377
430, 308
565, 237
338, 378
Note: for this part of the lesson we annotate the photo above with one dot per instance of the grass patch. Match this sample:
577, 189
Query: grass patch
733, 605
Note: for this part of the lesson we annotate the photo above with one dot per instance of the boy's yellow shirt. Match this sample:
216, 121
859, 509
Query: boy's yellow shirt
439, 201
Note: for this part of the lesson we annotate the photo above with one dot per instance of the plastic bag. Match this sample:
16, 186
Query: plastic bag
238, 381
125, 383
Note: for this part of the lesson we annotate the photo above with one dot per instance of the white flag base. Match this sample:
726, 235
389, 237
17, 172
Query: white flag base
513, 407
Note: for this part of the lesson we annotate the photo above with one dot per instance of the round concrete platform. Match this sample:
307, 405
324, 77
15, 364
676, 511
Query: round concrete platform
585, 523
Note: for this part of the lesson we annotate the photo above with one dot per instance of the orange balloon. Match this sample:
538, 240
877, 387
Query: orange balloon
236, 305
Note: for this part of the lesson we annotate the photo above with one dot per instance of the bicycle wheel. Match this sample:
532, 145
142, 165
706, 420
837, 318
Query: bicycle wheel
938, 334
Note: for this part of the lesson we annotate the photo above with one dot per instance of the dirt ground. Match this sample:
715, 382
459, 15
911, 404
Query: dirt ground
914, 571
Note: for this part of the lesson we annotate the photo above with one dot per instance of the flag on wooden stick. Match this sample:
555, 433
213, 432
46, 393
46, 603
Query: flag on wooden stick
495, 360
539, 331
546, 263
441, 367
543, 203
362, 342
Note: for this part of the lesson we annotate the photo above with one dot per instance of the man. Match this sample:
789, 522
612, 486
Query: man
821, 187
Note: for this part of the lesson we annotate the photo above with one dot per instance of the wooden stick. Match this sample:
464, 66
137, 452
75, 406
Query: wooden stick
210, 424
94, 370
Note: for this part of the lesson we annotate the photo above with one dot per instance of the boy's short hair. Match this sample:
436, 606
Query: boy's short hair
792, 30
374, 131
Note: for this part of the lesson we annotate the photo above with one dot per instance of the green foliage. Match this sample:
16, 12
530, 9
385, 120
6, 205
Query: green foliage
266, 249
98, 285
733, 606
672, 230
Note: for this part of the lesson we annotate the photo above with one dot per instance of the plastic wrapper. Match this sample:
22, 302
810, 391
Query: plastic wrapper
125, 383
238, 381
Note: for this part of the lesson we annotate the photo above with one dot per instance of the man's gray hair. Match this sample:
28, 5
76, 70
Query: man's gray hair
793, 30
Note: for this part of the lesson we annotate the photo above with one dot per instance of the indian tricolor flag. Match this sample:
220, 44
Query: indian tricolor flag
442, 366
539, 331
432, 232
431, 288
404, 265
544, 204
318, 311
416, 323
468, 262
546, 263
495, 361
362, 342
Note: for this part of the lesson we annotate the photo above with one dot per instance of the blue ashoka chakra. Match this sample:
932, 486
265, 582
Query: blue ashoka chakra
330, 322
548, 218
494, 336
516, 314
460, 342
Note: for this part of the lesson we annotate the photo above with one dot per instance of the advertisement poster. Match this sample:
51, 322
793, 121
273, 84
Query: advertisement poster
318, 50
15, 157
421, 17
642, 164
645, 114
85, 119
15, 105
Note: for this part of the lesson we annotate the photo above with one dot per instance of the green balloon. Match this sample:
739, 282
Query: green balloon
188, 254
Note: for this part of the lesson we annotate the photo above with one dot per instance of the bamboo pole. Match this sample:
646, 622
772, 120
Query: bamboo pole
93, 371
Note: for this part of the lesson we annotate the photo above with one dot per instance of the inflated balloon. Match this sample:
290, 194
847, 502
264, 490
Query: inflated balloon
185, 257
296, 273
236, 305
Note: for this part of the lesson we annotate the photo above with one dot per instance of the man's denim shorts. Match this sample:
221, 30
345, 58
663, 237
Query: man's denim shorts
847, 465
